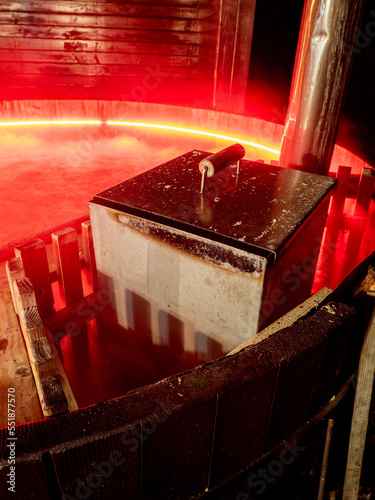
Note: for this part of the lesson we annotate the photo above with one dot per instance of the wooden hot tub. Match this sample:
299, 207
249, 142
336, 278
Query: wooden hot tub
74, 422
209, 430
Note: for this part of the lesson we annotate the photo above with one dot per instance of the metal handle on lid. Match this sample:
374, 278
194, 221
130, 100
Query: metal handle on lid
220, 160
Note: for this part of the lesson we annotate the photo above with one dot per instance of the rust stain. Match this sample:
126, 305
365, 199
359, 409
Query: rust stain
114, 215
211, 252
23, 371
3, 344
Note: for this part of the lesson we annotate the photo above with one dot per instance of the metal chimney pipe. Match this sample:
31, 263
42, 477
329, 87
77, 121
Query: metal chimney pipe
321, 73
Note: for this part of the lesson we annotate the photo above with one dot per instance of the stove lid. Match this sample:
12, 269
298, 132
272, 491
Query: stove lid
259, 209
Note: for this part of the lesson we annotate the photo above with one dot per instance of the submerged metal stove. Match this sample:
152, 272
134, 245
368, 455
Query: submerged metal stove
221, 264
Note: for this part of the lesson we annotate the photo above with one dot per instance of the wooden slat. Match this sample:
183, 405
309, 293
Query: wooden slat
302, 347
179, 10
250, 401
90, 58
126, 82
339, 196
98, 34
40, 352
208, 38
235, 39
210, 23
65, 248
181, 444
241, 60
362, 403
207, 53
209, 9
207, 70
111, 460
365, 192
34, 260
226, 49
50, 380
88, 253
115, 71
14, 272
24, 293
47, 381
335, 352
32, 326
72, 403
149, 60
15, 368
79, 313
108, 22
52, 397
182, 92
31, 479
206, 65
82, 47
96, 87
357, 230
175, 3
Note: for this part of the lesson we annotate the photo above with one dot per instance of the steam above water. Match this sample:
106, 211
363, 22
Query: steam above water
46, 182
48, 175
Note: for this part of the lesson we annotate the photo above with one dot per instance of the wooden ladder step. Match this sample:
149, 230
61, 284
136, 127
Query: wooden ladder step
52, 386
15, 271
34, 261
65, 249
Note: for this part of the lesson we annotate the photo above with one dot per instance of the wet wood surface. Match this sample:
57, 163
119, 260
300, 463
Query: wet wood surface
15, 368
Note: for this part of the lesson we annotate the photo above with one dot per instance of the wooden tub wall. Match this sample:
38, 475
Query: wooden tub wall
191, 433
195, 430
237, 411
235, 415
179, 51
235, 125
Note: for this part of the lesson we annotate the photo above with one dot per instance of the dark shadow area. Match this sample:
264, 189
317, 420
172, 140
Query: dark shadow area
275, 39
104, 360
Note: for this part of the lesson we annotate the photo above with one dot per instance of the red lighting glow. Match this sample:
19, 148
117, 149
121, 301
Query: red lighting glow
156, 126
50, 122
194, 131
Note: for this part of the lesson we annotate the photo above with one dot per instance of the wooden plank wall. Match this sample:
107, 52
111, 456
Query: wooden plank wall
233, 54
78, 49
206, 67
